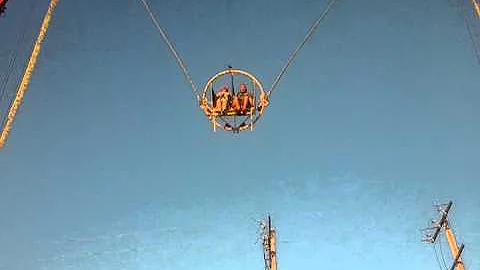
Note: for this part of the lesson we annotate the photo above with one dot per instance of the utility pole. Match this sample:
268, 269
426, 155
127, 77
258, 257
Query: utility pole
269, 244
434, 232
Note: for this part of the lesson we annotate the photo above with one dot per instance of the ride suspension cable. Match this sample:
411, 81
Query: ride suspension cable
309, 34
475, 43
172, 49
470, 23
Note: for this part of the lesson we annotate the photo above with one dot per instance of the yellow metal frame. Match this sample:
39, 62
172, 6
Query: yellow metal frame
207, 108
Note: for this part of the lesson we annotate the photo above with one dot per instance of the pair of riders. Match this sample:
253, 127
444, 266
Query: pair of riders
240, 103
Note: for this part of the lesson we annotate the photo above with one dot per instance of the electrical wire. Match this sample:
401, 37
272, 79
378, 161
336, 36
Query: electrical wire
436, 257
441, 252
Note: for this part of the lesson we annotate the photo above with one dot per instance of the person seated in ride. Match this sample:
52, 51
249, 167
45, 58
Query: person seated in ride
243, 100
3, 6
222, 98
262, 103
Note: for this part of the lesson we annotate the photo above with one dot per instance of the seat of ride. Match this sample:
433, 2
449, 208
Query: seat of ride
231, 112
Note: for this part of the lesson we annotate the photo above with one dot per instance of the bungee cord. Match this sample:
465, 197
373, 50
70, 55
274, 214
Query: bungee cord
172, 49
470, 20
475, 43
309, 34
292, 56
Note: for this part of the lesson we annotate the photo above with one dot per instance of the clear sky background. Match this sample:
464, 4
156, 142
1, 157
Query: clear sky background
111, 164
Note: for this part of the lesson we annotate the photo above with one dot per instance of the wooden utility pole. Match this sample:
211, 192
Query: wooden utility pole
434, 231
269, 244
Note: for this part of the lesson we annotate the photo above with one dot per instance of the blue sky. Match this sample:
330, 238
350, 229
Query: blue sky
377, 118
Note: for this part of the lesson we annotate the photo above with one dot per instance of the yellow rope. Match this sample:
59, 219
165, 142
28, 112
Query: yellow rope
27, 74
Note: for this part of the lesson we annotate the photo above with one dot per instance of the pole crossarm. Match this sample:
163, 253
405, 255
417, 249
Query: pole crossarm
437, 225
442, 220
449, 235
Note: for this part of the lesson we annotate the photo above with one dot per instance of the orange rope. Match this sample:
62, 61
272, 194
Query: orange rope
27, 74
